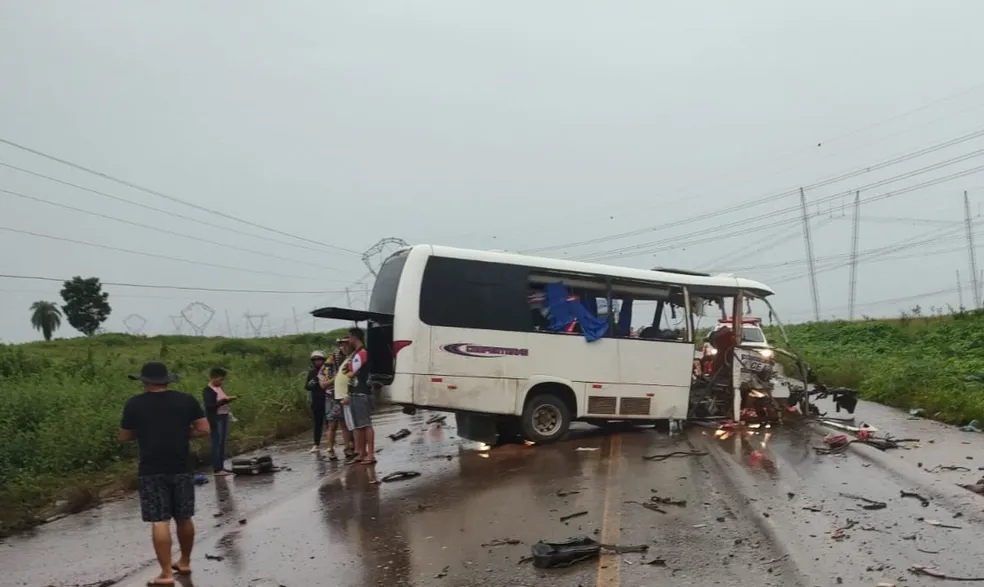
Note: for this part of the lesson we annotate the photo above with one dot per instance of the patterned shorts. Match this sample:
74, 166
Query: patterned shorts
166, 497
334, 409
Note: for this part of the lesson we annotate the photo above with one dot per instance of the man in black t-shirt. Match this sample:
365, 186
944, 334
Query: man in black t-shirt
163, 421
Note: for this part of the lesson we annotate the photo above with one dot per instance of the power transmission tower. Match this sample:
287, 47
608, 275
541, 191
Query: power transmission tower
809, 257
959, 292
378, 249
135, 323
854, 256
255, 322
973, 258
178, 322
228, 324
297, 325
198, 325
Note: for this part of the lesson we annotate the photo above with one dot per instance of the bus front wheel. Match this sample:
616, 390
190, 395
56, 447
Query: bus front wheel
545, 418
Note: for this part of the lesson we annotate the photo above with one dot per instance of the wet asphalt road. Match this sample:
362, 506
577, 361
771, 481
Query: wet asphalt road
762, 509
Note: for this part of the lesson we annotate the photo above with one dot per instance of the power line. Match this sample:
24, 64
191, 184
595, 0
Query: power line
175, 287
168, 197
158, 210
673, 242
722, 211
156, 256
236, 248
892, 300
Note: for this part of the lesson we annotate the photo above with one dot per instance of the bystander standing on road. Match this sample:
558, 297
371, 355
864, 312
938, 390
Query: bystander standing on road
217, 411
358, 409
334, 412
162, 421
316, 396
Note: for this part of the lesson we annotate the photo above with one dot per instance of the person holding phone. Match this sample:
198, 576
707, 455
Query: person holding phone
217, 411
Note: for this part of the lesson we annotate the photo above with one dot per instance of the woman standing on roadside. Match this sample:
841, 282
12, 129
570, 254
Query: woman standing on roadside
317, 398
217, 412
333, 410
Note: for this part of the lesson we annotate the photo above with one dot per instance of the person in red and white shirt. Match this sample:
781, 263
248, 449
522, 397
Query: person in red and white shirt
358, 404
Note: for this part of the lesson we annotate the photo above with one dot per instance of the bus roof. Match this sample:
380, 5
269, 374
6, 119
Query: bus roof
706, 285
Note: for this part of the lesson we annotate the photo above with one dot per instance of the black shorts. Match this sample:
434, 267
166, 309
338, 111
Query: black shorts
166, 497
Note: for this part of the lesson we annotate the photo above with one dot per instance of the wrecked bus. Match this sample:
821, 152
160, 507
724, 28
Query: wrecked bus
521, 345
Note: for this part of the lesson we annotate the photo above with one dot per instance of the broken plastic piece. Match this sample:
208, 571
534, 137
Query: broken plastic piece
399, 435
400, 476
551, 555
436, 419
572, 516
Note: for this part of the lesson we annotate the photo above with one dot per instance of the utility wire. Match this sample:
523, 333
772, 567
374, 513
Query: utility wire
673, 242
156, 256
175, 287
893, 300
171, 198
236, 248
737, 207
159, 210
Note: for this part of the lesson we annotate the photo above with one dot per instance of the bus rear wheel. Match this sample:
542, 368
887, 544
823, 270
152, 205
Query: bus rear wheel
545, 418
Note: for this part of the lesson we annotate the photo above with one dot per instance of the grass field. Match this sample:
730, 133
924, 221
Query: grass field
932, 363
60, 405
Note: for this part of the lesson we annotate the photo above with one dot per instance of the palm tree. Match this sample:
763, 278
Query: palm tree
46, 317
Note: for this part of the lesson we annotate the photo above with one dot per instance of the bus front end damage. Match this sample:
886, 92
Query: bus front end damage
744, 382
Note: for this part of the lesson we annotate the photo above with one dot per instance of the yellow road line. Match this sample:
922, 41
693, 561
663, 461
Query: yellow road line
609, 565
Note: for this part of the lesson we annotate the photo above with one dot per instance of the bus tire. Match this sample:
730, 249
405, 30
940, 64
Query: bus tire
546, 418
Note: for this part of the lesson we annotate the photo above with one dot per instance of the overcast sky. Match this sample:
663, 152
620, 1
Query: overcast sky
510, 125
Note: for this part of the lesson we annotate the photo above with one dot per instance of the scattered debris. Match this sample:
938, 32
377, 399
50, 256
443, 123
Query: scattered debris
572, 516
947, 468
790, 494
649, 506
443, 573
656, 562
437, 419
586, 449
839, 533
675, 454
566, 492
940, 524
400, 476
257, 465
813, 508
972, 426
399, 434
630, 549
201, 479
502, 542
551, 555
870, 504
922, 500
242, 522
777, 560
667, 500
927, 551
932, 572
917, 412
977, 488
214, 557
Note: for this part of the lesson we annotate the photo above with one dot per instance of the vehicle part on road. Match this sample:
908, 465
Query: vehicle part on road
565, 492
649, 506
675, 454
252, 465
667, 500
399, 434
214, 557
572, 516
630, 549
443, 573
947, 468
656, 562
400, 476
932, 572
977, 488
922, 500
502, 542
552, 555
870, 504
437, 419
545, 418
940, 524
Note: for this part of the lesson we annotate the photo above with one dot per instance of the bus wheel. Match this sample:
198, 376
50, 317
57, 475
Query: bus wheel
545, 419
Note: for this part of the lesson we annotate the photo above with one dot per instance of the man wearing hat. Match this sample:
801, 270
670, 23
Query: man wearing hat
162, 421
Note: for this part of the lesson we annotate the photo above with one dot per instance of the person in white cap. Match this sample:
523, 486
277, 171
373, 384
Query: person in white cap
316, 396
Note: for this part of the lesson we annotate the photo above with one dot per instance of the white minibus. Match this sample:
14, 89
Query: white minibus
515, 344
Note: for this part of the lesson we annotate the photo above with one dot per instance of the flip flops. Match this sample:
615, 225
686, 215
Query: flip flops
180, 571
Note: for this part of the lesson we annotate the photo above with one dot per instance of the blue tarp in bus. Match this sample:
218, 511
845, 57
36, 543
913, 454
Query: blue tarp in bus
563, 312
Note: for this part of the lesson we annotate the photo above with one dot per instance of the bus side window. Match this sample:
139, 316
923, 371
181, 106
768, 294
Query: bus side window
654, 312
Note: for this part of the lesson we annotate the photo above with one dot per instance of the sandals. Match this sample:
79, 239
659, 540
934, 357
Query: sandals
156, 582
178, 570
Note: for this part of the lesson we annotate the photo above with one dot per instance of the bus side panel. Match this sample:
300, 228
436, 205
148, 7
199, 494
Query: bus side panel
655, 375
592, 366
474, 370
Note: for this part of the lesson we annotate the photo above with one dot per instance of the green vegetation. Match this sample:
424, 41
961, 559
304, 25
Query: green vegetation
86, 304
46, 318
60, 405
933, 363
